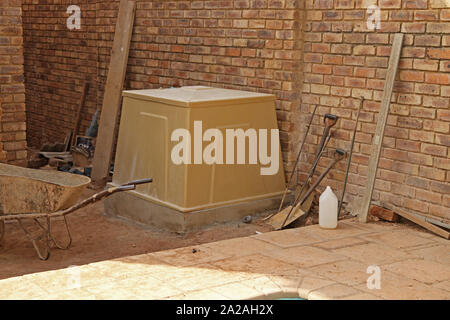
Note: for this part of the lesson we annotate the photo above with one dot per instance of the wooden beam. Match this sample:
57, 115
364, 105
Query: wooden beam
113, 91
431, 227
381, 125
76, 125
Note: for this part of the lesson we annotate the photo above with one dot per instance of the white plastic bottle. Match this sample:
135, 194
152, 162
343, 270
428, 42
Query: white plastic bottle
328, 206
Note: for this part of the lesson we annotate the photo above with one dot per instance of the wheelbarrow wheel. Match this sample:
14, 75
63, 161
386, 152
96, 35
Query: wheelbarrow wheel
2, 230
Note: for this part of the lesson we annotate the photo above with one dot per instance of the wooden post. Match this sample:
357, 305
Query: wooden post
113, 91
381, 125
76, 125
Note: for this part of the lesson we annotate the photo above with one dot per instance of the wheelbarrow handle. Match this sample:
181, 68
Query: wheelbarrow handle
123, 188
138, 182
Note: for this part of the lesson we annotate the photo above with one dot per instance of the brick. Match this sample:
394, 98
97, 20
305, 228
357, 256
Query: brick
420, 158
427, 15
421, 112
364, 50
416, 205
443, 115
432, 149
413, 99
427, 88
390, 4
436, 102
443, 139
408, 145
438, 27
442, 163
432, 173
377, 38
436, 4
437, 78
425, 136
384, 214
441, 53
418, 182
427, 40
354, 38
436, 126
407, 75
415, 4
428, 65
444, 66
413, 27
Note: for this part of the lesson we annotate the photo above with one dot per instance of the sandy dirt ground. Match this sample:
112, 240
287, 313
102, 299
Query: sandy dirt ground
97, 237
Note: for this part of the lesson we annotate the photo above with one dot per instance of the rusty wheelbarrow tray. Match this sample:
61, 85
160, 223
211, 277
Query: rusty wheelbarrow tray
40, 194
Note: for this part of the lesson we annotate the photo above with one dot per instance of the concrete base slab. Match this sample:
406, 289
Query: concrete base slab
129, 206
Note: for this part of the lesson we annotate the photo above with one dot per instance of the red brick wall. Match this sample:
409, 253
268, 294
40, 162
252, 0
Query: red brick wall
344, 60
305, 52
12, 98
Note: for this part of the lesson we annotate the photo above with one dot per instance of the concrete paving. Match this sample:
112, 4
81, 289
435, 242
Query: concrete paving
356, 261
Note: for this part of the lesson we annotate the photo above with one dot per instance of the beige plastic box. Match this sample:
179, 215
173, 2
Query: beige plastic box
149, 119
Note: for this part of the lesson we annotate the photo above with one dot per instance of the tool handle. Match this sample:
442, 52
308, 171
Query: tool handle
138, 182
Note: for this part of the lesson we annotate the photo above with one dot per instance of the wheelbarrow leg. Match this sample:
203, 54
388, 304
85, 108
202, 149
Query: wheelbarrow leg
43, 254
2, 230
59, 246
52, 238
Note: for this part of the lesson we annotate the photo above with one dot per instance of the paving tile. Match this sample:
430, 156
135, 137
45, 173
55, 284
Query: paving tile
399, 239
205, 294
361, 296
264, 285
201, 277
444, 285
189, 256
288, 238
18, 289
373, 254
287, 283
306, 257
340, 243
396, 287
124, 268
440, 254
310, 284
241, 246
421, 270
115, 294
146, 287
379, 226
256, 264
74, 294
332, 292
237, 291
344, 230
346, 271
65, 279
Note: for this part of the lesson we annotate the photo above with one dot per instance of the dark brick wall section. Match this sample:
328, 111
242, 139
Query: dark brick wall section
57, 60
13, 144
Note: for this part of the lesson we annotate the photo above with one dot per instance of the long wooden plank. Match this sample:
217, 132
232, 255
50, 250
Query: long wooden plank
113, 91
431, 227
76, 124
381, 125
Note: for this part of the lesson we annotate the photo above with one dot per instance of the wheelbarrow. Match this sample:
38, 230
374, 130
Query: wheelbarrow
43, 194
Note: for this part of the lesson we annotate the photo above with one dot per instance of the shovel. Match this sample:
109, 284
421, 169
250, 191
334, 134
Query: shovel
291, 214
278, 220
